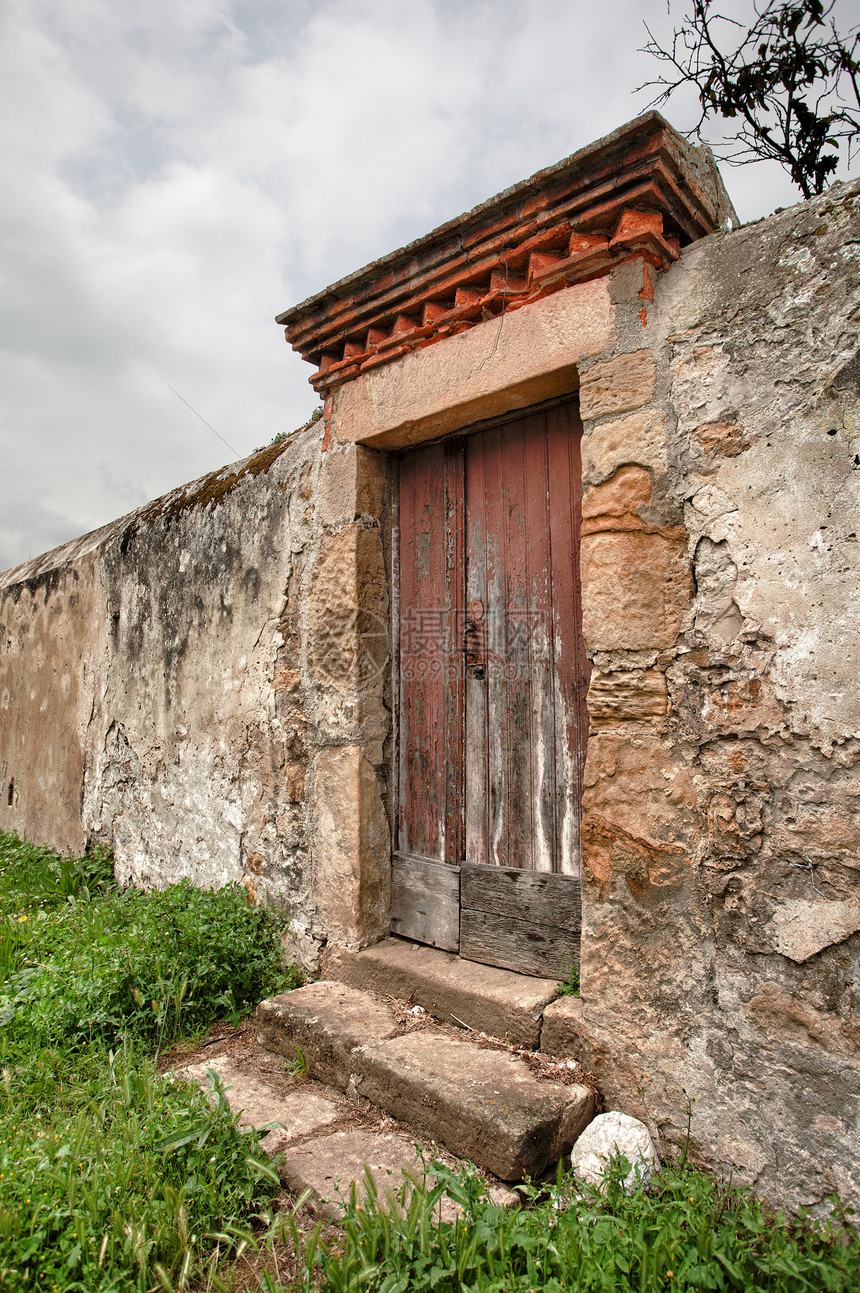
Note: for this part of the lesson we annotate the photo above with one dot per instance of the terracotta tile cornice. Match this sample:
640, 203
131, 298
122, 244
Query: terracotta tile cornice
641, 191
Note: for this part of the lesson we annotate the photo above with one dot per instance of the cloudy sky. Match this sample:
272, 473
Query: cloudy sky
173, 173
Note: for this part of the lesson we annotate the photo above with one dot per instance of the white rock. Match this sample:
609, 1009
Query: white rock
609, 1135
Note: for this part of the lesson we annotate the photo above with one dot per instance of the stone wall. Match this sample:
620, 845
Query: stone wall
188, 685
721, 959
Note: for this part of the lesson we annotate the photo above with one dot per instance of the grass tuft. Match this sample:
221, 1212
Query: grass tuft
685, 1231
569, 987
112, 1177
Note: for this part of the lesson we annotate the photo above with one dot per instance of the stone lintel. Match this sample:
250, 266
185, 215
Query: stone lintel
487, 372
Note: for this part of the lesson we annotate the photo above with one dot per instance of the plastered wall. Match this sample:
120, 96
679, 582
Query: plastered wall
722, 615
197, 686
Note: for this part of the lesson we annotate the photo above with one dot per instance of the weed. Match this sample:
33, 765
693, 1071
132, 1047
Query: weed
152, 965
569, 987
685, 1231
299, 1066
288, 435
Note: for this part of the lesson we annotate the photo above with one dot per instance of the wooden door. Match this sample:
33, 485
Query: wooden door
492, 678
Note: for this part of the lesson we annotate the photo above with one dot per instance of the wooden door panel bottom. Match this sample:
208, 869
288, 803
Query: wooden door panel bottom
425, 901
527, 921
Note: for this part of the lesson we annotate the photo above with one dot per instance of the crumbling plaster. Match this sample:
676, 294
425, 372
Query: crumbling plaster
195, 686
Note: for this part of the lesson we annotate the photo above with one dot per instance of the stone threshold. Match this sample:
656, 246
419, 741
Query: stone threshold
516, 1008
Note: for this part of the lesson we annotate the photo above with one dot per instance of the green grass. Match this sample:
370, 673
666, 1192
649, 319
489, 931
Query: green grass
685, 1231
113, 1178
569, 987
110, 1176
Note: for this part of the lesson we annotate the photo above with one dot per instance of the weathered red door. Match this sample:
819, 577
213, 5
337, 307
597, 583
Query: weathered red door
492, 678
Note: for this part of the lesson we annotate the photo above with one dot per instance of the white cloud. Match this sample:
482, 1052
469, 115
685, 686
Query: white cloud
174, 173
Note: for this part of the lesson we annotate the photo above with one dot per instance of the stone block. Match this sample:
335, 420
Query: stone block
721, 439
493, 1001
299, 1112
634, 785
328, 1167
639, 438
635, 588
626, 494
326, 1022
496, 367
352, 853
348, 622
351, 484
560, 1034
627, 695
483, 1104
618, 385
801, 928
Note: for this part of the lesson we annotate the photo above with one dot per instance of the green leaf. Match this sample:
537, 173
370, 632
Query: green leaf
178, 1139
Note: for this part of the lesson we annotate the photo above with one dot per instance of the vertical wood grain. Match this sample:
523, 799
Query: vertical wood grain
491, 756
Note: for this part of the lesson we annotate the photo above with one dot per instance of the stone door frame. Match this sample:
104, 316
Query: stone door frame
579, 338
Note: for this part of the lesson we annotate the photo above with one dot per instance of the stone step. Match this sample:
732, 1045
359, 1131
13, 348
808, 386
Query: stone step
323, 1024
320, 1156
328, 1168
497, 1002
289, 1115
482, 1102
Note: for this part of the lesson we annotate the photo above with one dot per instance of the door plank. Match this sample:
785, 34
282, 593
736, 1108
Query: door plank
430, 701
513, 892
476, 773
540, 732
571, 667
520, 920
455, 680
425, 901
490, 445
516, 787
522, 946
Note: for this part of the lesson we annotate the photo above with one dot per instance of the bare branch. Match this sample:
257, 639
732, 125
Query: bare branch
784, 79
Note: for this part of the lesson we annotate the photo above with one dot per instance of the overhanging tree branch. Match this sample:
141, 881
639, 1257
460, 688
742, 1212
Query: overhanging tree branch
784, 79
